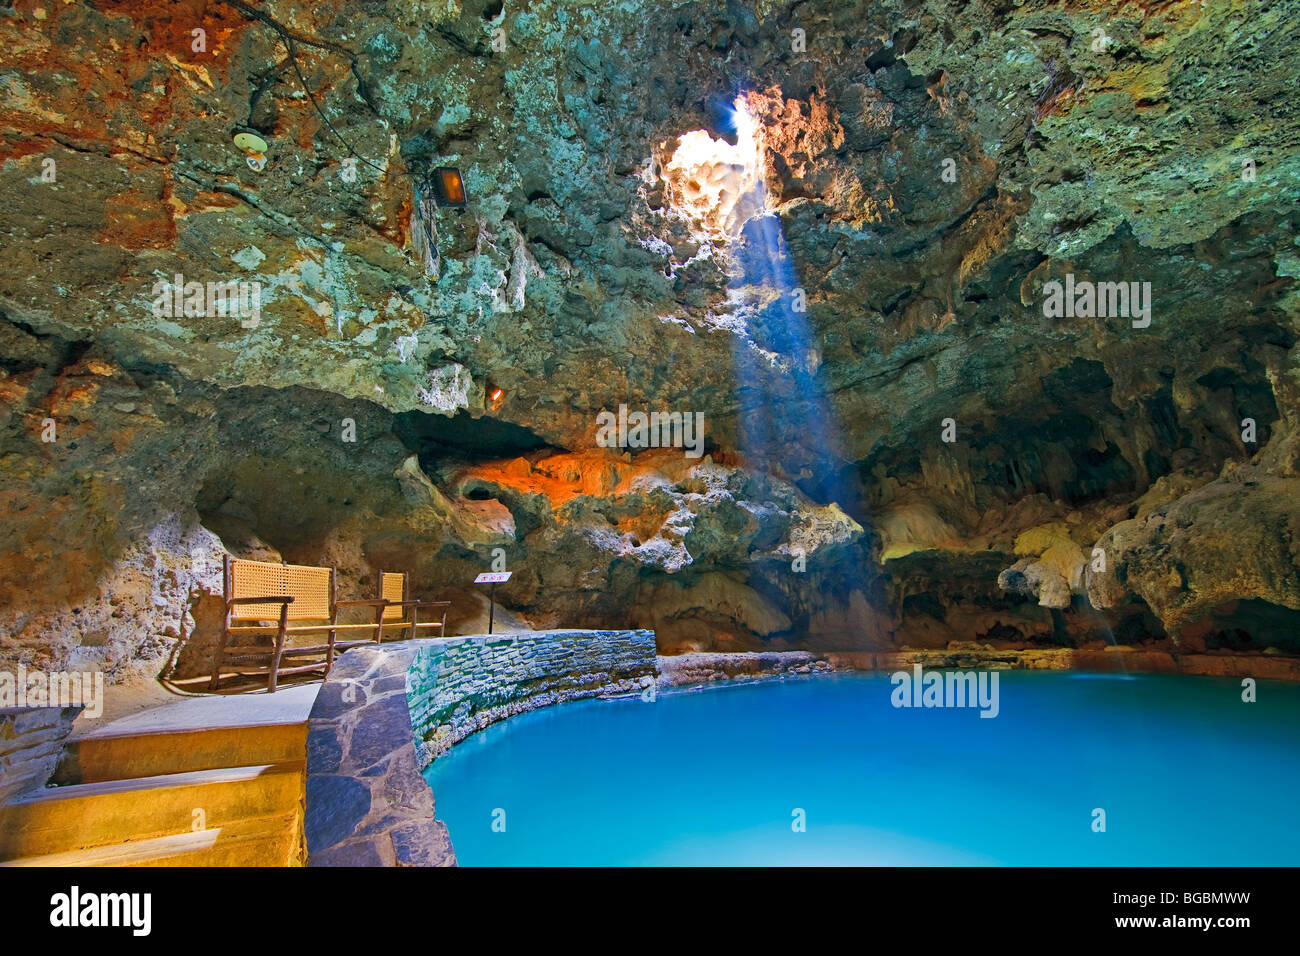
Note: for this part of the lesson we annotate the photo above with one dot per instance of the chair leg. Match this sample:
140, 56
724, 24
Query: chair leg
273, 677
221, 659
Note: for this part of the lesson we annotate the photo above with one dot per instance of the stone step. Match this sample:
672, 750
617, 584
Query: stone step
106, 813
259, 841
125, 756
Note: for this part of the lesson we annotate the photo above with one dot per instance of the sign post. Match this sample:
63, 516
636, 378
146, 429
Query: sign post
493, 578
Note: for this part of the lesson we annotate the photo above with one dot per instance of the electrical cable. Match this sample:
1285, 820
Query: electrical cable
289, 38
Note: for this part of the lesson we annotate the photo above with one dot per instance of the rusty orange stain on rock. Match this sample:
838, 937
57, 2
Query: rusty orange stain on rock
98, 367
168, 27
202, 201
137, 221
562, 477
131, 79
16, 149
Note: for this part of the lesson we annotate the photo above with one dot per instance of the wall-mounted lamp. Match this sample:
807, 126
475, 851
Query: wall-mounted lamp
442, 187
495, 397
254, 148
449, 187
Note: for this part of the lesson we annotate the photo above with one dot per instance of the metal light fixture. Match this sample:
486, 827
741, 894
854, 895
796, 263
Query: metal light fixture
440, 187
254, 147
450, 187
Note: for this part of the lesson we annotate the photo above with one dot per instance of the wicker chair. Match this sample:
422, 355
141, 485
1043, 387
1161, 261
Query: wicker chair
284, 600
400, 612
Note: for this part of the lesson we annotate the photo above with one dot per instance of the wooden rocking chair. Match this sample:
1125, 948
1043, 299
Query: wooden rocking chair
284, 600
400, 612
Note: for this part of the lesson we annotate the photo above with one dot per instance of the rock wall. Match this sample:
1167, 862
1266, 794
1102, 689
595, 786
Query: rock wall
462, 685
367, 804
704, 668
385, 712
923, 172
31, 743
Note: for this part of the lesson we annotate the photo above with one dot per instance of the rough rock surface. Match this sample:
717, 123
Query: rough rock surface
31, 742
926, 170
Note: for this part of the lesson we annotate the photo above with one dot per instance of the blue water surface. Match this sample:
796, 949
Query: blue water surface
1186, 772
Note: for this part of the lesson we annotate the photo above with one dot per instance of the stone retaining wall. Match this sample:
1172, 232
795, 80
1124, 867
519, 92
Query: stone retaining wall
463, 684
385, 711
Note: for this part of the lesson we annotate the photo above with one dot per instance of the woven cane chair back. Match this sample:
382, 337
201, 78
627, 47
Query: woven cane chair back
311, 589
392, 587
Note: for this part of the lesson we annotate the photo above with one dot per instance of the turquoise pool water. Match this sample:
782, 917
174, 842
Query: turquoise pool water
1186, 772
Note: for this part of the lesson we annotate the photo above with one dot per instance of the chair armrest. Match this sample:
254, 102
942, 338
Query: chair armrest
269, 599
374, 602
415, 611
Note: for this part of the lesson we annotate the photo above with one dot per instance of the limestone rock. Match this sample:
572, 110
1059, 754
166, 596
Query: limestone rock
901, 446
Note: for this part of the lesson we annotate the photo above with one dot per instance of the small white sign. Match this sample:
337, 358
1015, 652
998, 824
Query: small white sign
493, 577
